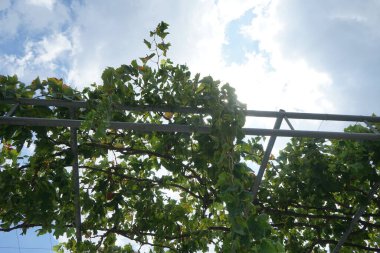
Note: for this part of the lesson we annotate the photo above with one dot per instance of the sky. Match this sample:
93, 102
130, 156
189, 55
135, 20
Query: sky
305, 56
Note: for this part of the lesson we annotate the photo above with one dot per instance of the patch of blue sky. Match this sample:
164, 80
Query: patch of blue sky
68, 2
14, 242
238, 44
71, 4
3, 14
268, 57
14, 46
62, 66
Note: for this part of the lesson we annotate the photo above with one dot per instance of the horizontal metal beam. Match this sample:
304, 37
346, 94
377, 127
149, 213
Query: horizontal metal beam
84, 104
314, 116
146, 127
311, 134
250, 113
46, 102
141, 127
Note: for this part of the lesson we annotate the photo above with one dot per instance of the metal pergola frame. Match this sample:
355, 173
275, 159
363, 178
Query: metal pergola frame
9, 119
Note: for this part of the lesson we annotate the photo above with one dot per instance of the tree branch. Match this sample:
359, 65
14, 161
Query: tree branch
326, 241
22, 226
152, 181
296, 205
315, 216
129, 150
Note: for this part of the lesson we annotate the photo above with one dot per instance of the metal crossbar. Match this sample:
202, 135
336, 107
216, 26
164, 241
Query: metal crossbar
146, 127
249, 113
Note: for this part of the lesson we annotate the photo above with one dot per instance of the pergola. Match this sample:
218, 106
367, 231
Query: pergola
276, 131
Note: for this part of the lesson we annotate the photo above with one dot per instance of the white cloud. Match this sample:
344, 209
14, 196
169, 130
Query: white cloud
266, 80
44, 3
117, 38
42, 58
51, 47
340, 38
196, 27
305, 54
111, 33
32, 17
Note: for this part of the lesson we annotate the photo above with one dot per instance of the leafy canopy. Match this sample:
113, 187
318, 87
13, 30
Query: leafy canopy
172, 191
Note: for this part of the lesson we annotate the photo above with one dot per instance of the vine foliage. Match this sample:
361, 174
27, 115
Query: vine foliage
171, 191
177, 192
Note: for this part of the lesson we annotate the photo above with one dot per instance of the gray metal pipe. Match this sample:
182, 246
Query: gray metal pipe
264, 162
355, 219
250, 113
146, 127
314, 116
76, 182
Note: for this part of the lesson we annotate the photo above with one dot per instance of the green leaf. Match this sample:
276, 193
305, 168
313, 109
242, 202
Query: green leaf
147, 58
148, 44
239, 226
267, 246
161, 30
164, 47
259, 226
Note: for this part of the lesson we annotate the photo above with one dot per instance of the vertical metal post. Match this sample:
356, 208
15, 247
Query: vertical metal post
75, 175
356, 218
267, 153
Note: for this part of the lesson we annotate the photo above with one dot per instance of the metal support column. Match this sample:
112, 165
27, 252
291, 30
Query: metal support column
356, 218
75, 175
267, 153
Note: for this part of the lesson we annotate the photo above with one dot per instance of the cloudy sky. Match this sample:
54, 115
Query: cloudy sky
306, 56
297, 55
